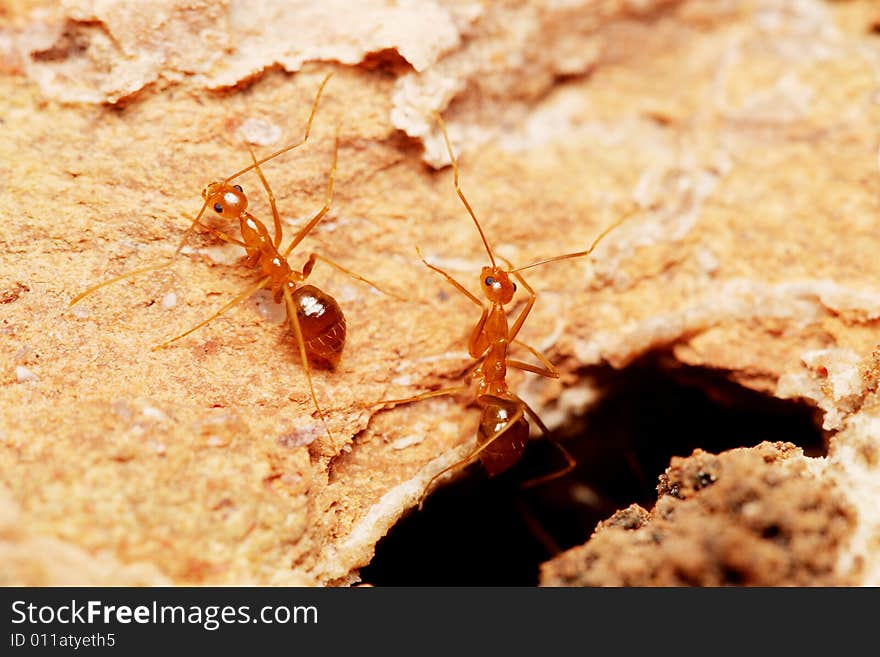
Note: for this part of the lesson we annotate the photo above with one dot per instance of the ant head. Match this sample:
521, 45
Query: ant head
229, 201
497, 285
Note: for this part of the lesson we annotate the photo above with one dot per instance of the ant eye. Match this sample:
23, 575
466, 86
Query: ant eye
238, 187
218, 208
490, 281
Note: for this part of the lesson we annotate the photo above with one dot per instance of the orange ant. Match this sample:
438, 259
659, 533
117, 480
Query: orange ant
315, 317
503, 429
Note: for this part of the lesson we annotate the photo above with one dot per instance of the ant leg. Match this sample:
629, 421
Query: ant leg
314, 220
476, 451
198, 222
216, 232
143, 270
517, 325
276, 241
458, 286
477, 342
537, 529
310, 263
238, 299
564, 470
528, 367
424, 395
434, 393
297, 331
251, 258
226, 238
570, 462
533, 296
261, 161
549, 370
82, 295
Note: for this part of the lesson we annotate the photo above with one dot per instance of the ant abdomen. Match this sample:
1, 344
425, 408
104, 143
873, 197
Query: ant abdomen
322, 324
507, 448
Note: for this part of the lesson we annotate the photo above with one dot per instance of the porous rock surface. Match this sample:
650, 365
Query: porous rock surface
754, 516
743, 132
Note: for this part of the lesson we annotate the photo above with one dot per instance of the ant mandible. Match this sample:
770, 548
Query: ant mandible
503, 430
315, 317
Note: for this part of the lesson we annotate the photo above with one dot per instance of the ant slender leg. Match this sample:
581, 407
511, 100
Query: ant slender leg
143, 270
310, 263
477, 343
314, 220
537, 529
216, 232
549, 370
564, 470
476, 451
517, 325
276, 218
458, 286
250, 259
82, 295
425, 395
528, 367
238, 299
297, 331
226, 238
533, 296
570, 461
531, 412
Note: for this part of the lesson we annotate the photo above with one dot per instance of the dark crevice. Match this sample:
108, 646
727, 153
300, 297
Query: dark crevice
478, 531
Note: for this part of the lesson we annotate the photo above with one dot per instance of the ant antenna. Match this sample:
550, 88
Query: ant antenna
458, 187
257, 163
289, 147
578, 254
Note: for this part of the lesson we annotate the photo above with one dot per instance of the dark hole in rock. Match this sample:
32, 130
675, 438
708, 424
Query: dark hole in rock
481, 532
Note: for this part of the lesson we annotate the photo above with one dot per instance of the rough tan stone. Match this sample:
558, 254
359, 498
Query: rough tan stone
754, 516
743, 131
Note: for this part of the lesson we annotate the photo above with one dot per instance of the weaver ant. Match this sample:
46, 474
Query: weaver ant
315, 317
503, 430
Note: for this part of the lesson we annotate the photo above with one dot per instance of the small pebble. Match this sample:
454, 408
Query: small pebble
407, 441
153, 413
260, 132
23, 374
302, 436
